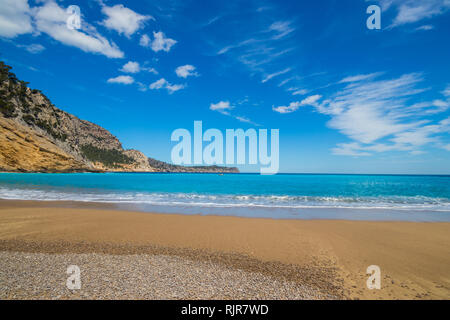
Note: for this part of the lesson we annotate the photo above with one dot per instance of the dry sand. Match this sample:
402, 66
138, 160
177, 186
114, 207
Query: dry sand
324, 258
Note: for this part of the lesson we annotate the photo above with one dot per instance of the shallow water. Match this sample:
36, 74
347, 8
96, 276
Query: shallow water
307, 196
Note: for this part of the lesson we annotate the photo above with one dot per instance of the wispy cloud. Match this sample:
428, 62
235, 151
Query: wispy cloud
360, 77
281, 29
293, 106
262, 46
349, 149
301, 92
282, 83
245, 120
34, 48
275, 74
263, 8
412, 11
121, 80
369, 111
238, 45
225, 107
426, 27
164, 84
211, 21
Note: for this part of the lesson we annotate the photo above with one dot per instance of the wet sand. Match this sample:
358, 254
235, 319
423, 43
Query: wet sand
325, 256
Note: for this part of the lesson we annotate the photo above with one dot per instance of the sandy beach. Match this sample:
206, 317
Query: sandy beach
137, 255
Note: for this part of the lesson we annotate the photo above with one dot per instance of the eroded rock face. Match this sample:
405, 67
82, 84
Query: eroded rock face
37, 136
26, 151
140, 161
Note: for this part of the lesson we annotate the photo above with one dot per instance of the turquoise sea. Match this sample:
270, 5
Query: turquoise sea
294, 196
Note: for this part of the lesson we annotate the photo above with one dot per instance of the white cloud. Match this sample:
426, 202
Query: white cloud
51, 19
276, 74
159, 43
174, 87
412, 11
135, 67
442, 105
123, 20
14, 18
409, 140
416, 137
145, 40
221, 106
186, 71
311, 100
164, 84
369, 111
422, 135
427, 107
121, 80
158, 84
293, 106
131, 67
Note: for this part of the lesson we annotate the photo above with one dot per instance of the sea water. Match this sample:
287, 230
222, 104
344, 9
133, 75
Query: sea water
281, 196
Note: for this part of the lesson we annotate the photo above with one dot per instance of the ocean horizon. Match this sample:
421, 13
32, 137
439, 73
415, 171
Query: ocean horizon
281, 196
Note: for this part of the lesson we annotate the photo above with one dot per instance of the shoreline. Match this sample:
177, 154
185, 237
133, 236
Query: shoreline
330, 255
253, 212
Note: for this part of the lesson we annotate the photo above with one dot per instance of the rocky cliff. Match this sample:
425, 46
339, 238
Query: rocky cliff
35, 136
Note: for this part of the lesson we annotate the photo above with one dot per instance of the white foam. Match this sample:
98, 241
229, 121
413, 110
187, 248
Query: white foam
419, 203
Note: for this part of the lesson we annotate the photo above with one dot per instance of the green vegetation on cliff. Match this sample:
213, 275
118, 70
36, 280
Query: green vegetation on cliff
110, 158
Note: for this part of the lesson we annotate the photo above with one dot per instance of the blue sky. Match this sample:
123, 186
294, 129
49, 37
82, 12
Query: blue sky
345, 98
